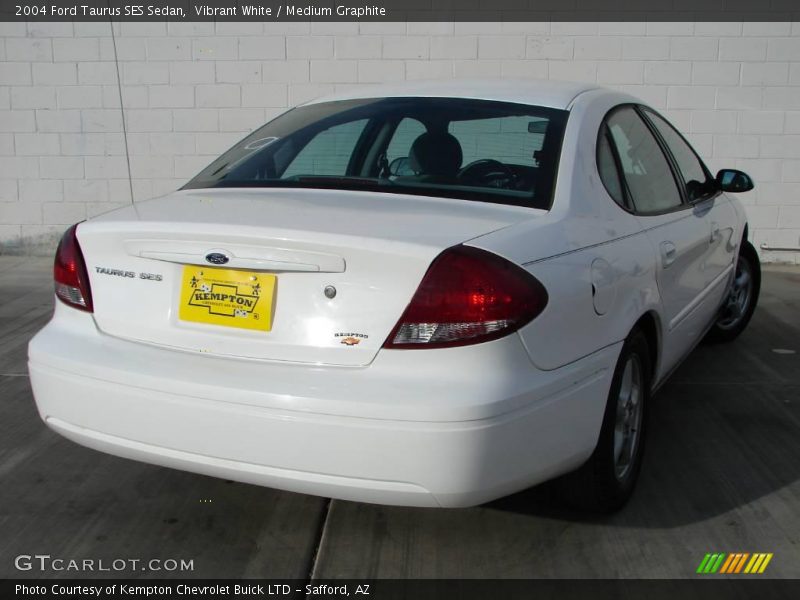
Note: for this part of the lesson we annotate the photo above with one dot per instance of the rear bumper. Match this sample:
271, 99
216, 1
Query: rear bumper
453, 427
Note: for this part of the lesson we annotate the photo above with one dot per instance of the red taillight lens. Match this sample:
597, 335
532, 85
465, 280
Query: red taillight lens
468, 296
69, 273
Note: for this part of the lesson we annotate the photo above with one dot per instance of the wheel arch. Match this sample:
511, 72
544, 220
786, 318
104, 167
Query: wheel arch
649, 325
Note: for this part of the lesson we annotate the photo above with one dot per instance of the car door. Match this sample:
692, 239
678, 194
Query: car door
703, 193
678, 232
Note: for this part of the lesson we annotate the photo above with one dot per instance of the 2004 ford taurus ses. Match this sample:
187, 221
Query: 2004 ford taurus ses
427, 295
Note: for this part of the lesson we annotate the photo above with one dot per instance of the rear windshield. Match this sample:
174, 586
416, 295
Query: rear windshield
448, 147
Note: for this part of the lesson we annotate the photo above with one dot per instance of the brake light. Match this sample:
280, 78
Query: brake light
468, 296
69, 273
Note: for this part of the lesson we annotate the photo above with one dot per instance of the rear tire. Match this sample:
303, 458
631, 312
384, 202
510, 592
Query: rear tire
606, 481
739, 305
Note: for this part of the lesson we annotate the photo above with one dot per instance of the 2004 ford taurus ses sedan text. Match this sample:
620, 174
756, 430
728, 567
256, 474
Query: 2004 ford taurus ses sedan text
431, 295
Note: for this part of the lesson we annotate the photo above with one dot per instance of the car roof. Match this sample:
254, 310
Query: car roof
550, 94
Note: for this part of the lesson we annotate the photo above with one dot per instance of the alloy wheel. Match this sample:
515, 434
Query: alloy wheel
738, 301
628, 423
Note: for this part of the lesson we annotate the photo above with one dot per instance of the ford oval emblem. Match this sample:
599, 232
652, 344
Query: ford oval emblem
217, 258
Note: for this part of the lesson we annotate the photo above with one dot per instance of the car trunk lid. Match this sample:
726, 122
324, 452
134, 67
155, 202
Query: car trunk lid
344, 265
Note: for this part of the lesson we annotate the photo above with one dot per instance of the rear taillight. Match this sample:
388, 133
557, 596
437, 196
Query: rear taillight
468, 296
69, 273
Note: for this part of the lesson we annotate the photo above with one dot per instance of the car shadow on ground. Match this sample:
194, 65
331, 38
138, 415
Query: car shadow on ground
724, 431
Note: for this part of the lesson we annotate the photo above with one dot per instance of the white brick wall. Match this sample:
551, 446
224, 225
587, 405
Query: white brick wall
187, 91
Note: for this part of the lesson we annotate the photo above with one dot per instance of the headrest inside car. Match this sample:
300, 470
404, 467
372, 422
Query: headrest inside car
436, 154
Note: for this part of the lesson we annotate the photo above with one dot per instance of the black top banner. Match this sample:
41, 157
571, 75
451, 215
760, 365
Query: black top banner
401, 10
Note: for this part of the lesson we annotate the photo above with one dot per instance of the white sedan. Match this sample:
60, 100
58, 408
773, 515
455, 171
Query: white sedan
430, 295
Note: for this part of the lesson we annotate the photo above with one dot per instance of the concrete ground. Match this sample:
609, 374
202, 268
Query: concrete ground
721, 474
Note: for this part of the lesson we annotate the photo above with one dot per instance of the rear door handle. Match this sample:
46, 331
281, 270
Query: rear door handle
668, 253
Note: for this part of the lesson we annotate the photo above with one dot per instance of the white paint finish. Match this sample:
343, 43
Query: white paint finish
386, 241
692, 267
471, 423
635, 256
495, 429
604, 285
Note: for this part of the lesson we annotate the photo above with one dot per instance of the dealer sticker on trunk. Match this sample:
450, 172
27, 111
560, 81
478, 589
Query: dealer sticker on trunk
227, 297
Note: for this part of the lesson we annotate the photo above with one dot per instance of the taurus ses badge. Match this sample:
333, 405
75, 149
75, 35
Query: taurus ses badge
217, 258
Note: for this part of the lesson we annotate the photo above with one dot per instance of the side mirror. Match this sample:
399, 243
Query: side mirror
401, 167
734, 181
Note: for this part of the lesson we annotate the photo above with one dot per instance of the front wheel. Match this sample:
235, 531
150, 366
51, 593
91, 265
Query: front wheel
606, 481
740, 303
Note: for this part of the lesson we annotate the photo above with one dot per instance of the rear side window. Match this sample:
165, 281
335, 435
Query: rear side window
646, 171
699, 182
607, 167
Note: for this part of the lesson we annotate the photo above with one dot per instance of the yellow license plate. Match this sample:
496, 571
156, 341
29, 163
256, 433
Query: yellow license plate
227, 297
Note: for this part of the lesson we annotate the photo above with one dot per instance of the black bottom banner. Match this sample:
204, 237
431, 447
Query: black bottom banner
412, 589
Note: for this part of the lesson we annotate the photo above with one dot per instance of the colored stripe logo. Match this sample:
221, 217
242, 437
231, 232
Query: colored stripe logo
734, 563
